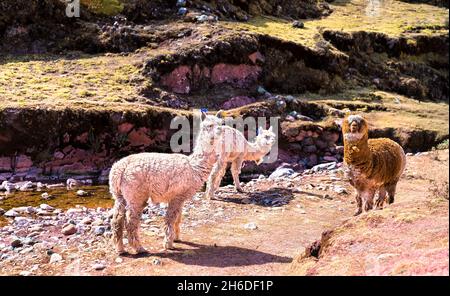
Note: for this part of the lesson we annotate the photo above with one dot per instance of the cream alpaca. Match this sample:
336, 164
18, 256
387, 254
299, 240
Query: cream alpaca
160, 177
235, 150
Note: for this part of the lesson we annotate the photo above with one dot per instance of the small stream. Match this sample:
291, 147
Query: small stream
62, 198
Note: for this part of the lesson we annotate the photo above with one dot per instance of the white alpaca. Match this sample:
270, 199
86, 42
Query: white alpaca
160, 177
235, 150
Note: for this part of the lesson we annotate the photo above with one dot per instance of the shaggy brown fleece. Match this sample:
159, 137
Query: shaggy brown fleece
373, 165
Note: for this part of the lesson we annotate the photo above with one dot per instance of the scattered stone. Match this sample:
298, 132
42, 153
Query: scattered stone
156, 261
46, 207
86, 221
182, 11
55, 258
324, 167
11, 213
340, 190
181, 3
261, 90
298, 24
98, 266
2, 211
118, 260
281, 172
16, 243
99, 230
82, 193
25, 273
290, 118
46, 196
251, 226
69, 229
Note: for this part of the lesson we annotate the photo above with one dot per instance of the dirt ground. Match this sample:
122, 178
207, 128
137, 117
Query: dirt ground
289, 214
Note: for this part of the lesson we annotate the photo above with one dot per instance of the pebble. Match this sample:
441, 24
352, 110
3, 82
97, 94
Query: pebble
82, 193
25, 273
16, 243
156, 261
11, 213
46, 196
118, 260
298, 24
46, 207
251, 226
55, 258
69, 229
98, 266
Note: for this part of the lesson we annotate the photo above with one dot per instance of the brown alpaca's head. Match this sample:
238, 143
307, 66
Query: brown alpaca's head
355, 129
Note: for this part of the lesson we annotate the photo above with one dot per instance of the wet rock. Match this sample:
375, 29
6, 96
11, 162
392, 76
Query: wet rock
55, 258
69, 229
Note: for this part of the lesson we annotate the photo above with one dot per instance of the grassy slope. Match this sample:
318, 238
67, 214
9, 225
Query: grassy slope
111, 81
391, 17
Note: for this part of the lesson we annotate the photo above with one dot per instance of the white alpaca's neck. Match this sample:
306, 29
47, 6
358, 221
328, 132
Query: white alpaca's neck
203, 158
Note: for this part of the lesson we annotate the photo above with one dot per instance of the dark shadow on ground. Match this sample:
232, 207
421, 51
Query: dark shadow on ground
215, 256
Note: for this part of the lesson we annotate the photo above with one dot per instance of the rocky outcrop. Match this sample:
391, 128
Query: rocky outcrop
415, 66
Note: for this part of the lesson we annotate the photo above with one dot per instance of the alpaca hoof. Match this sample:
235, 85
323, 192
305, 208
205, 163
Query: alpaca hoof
358, 212
168, 246
121, 252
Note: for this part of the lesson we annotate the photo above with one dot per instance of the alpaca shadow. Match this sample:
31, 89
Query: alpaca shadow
274, 197
216, 256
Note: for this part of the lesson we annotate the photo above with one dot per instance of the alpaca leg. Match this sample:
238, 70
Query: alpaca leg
358, 203
368, 199
133, 216
177, 225
218, 179
173, 211
212, 180
391, 188
235, 171
381, 198
117, 224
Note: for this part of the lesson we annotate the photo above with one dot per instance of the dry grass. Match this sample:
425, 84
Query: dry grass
390, 16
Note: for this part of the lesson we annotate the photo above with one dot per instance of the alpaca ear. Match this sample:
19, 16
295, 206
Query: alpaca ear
203, 116
270, 129
260, 130
220, 114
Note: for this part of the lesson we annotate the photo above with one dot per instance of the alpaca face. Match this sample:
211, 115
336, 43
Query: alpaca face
354, 128
211, 128
265, 138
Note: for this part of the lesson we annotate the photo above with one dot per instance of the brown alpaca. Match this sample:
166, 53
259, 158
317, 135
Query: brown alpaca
373, 165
